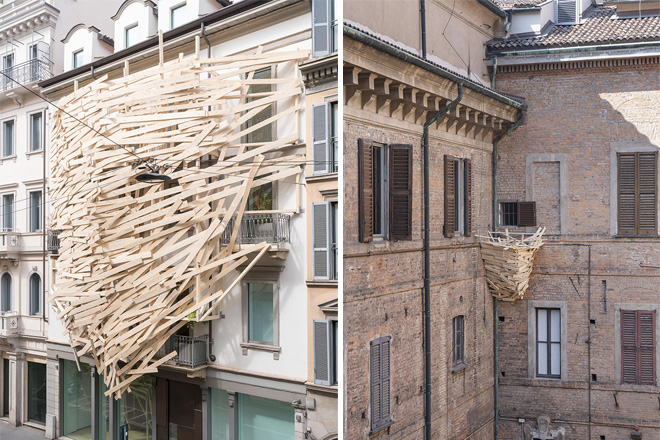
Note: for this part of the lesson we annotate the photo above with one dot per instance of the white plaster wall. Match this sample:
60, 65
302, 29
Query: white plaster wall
526, 22
135, 13
227, 333
547, 13
80, 39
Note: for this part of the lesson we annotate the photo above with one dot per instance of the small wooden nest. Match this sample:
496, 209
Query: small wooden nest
508, 262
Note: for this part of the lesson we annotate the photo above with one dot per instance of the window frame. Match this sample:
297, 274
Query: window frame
246, 343
8, 295
30, 211
175, 8
13, 137
532, 305
42, 115
128, 28
458, 335
38, 310
7, 82
458, 204
74, 54
549, 342
4, 227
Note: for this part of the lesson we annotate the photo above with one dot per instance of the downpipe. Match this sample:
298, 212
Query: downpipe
426, 293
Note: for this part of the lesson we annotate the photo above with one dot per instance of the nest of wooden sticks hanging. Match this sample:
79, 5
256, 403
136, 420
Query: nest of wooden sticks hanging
508, 260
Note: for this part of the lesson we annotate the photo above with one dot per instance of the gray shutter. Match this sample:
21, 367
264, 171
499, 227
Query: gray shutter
566, 11
321, 240
320, 27
320, 138
380, 383
646, 193
626, 181
646, 347
322, 352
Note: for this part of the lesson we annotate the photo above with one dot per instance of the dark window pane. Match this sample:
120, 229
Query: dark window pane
36, 393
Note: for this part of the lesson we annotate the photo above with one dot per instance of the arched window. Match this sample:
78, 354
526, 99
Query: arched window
5, 292
35, 294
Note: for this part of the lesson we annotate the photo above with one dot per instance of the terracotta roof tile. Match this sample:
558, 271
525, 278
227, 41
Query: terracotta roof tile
509, 4
601, 26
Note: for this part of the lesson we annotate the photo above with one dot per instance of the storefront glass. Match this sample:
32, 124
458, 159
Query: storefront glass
135, 410
76, 401
5, 388
103, 409
219, 415
260, 418
36, 393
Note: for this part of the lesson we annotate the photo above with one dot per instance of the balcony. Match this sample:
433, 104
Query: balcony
53, 243
259, 227
8, 324
191, 351
10, 243
25, 73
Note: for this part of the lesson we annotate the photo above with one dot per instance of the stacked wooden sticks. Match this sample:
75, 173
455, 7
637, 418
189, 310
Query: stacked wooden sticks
138, 259
508, 262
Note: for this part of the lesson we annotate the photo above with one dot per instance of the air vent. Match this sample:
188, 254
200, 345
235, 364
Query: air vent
566, 11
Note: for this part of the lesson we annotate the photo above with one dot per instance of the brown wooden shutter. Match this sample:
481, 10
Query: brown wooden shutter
400, 192
468, 197
646, 193
365, 190
450, 196
627, 209
646, 325
628, 346
526, 213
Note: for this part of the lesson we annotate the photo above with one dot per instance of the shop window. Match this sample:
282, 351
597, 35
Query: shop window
219, 415
135, 410
36, 393
76, 394
261, 418
5, 388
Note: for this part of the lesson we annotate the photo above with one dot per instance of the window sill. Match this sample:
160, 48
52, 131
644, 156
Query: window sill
459, 367
380, 428
637, 236
12, 157
322, 177
322, 283
261, 347
31, 153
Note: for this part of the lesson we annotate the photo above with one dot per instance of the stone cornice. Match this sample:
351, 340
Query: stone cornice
21, 19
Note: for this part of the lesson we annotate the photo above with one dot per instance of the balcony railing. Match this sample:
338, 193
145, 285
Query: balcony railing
256, 228
25, 73
53, 243
10, 242
8, 323
191, 351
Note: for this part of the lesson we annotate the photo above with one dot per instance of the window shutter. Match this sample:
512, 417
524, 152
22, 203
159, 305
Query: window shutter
646, 198
526, 213
628, 347
646, 347
320, 138
322, 352
627, 209
400, 192
321, 240
380, 383
320, 27
450, 197
365, 190
468, 197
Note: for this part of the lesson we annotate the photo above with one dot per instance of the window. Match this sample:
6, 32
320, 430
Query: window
260, 314
262, 418
637, 198
384, 191
8, 212
33, 56
458, 346
177, 15
638, 347
325, 351
458, 196
324, 27
256, 92
220, 414
548, 343
380, 384
5, 290
324, 221
8, 138
36, 392
324, 134
7, 66
77, 58
5, 387
35, 294
36, 132
131, 35
518, 214
35, 211
76, 399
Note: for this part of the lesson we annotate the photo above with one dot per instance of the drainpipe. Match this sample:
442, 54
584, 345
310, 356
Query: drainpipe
422, 13
427, 262
492, 80
496, 366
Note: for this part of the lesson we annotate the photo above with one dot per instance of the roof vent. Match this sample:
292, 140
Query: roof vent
567, 11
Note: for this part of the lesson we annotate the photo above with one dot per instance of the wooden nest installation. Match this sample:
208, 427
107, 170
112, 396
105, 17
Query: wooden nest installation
140, 257
508, 262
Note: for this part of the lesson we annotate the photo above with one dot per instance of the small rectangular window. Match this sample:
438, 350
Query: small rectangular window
518, 214
458, 196
131, 35
380, 186
509, 213
458, 353
36, 132
325, 137
8, 212
177, 16
8, 138
548, 343
7, 66
35, 211
77, 58
260, 312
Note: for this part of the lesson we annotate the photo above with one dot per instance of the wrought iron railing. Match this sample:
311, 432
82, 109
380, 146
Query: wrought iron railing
256, 228
8, 323
191, 351
53, 242
25, 73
